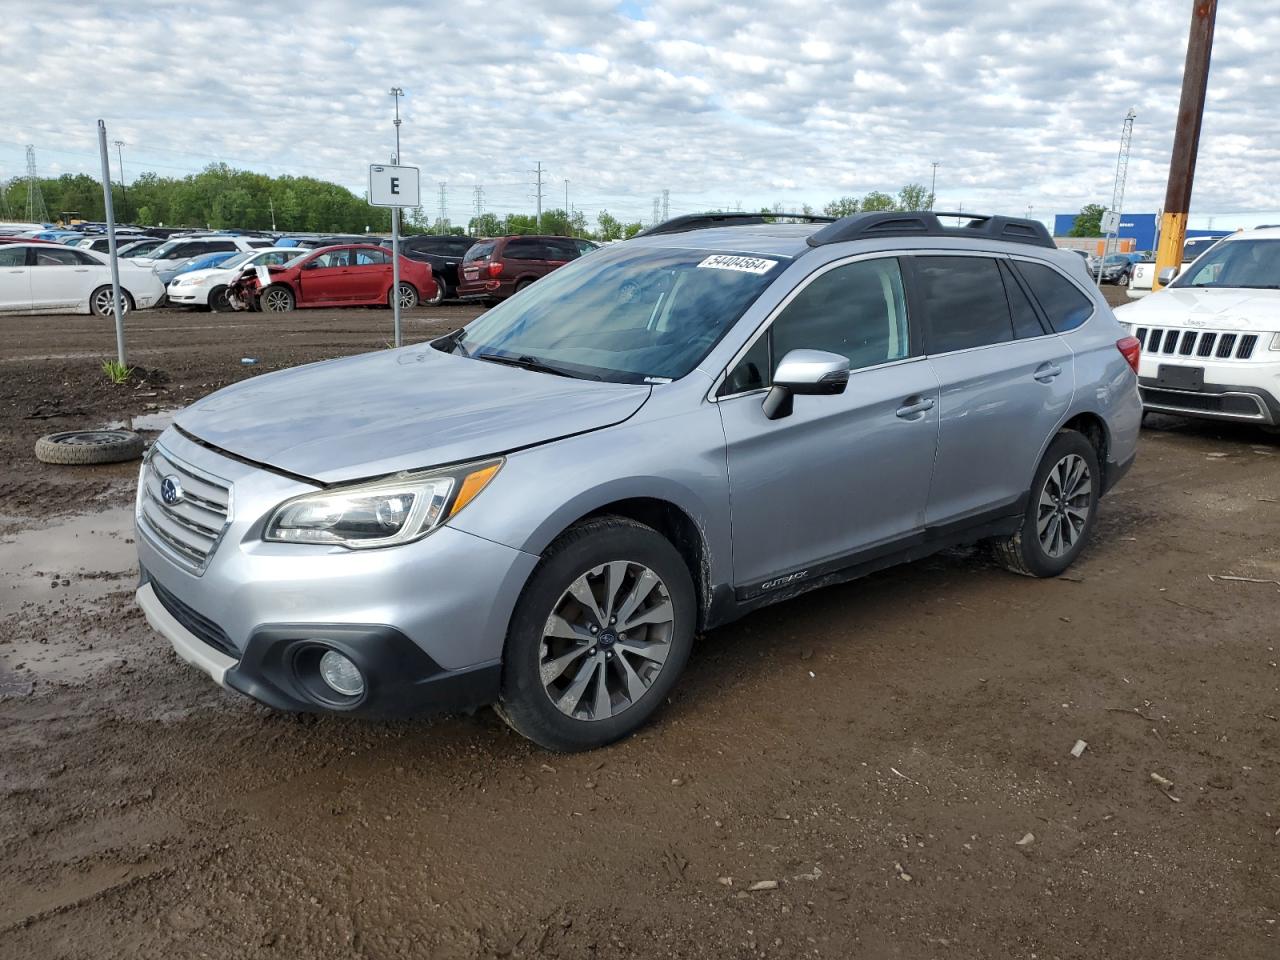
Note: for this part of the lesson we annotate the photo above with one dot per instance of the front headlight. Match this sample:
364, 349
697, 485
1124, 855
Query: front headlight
381, 514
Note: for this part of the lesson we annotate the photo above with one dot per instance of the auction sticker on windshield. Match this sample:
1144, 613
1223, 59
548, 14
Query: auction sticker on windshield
721, 261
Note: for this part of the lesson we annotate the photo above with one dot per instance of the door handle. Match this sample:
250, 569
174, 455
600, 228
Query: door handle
912, 407
1047, 371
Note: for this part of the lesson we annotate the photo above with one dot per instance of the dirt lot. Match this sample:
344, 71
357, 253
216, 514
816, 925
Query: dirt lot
893, 756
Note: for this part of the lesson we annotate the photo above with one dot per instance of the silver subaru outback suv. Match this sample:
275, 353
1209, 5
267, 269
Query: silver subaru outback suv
539, 511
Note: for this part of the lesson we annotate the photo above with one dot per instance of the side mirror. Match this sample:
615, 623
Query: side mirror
808, 373
1167, 276
311, 265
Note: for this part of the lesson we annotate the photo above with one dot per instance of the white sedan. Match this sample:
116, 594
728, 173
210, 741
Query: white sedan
208, 287
50, 278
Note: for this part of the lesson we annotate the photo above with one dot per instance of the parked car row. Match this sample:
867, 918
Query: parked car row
40, 277
350, 275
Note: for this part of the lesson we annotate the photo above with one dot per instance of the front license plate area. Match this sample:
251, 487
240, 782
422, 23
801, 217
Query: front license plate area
1180, 378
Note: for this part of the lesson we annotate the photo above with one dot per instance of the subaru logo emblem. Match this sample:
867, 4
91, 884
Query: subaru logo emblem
171, 490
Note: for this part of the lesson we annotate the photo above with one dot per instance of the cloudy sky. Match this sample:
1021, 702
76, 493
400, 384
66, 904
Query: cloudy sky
721, 103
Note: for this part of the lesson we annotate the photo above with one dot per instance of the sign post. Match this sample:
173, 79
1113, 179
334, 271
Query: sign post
116, 300
395, 187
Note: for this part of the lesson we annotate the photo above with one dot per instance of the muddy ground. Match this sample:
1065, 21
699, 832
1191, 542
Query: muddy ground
891, 757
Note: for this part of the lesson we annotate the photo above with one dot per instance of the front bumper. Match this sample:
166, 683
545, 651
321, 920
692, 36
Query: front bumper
1215, 401
425, 622
187, 296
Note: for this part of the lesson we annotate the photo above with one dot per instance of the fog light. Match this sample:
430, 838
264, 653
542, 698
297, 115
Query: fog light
341, 674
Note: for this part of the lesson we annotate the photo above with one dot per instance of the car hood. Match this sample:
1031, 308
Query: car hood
1214, 308
380, 413
205, 273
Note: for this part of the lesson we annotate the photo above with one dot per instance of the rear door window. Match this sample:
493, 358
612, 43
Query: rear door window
562, 250
1060, 299
55, 257
366, 258
524, 249
219, 246
964, 302
13, 257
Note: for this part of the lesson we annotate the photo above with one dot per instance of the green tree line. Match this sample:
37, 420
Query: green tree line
220, 197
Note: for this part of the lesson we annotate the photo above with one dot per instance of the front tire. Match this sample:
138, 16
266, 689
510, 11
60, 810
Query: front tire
218, 301
1061, 513
100, 302
599, 636
277, 298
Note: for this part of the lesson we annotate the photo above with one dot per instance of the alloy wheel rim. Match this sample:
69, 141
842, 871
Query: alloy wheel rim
406, 297
606, 641
105, 306
1065, 502
276, 301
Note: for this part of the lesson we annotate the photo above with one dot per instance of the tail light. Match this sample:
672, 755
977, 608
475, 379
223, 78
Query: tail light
495, 268
1132, 350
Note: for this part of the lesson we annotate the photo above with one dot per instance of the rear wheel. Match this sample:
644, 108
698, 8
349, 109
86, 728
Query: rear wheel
408, 296
1061, 512
218, 302
277, 298
599, 636
100, 302
523, 284
442, 293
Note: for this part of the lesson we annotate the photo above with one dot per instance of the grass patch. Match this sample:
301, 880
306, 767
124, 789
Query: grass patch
116, 371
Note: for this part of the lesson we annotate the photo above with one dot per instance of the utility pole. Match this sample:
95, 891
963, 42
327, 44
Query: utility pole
124, 193
272, 204
568, 214
933, 184
444, 204
539, 195
1186, 138
117, 298
397, 93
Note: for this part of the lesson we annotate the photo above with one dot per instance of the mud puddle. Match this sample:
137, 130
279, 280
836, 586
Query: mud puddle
154, 422
82, 557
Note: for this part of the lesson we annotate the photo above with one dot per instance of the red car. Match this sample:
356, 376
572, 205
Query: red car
340, 276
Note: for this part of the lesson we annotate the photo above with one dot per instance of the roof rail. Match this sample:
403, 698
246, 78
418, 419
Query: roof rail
701, 221
926, 223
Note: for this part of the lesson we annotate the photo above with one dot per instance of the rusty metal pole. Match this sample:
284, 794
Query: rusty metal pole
1186, 139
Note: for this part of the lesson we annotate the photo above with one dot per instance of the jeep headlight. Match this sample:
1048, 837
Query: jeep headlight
385, 513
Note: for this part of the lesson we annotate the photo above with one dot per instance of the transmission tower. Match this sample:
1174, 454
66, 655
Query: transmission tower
477, 198
539, 194
1122, 173
444, 201
666, 204
36, 211
657, 204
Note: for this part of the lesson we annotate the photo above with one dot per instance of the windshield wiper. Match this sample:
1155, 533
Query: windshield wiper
526, 362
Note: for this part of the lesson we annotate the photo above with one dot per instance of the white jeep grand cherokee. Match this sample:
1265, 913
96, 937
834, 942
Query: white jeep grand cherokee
1211, 339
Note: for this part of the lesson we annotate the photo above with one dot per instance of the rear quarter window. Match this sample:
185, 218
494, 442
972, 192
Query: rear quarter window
1060, 299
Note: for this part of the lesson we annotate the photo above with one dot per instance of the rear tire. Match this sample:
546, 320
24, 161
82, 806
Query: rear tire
277, 298
572, 679
218, 302
1061, 510
408, 296
523, 284
442, 293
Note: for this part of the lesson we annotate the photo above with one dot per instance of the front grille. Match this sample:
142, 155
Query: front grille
1198, 343
189, 530
197, 624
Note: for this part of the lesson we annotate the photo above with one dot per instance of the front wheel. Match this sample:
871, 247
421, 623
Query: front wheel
101, 302
218, 301
599, 636
408, 296
1061, 512
276, 299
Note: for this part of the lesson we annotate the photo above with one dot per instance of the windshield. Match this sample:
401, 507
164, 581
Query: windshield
237, 260
1193, 248
626, 315
165, 250
480, 251
1237, 263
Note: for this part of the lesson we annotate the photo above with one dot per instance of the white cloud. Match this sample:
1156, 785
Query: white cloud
793, 101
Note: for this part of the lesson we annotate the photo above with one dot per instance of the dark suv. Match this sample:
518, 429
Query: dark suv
495, 269
443, 253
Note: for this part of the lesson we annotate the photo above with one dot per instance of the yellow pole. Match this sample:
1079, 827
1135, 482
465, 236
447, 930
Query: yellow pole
1173, 234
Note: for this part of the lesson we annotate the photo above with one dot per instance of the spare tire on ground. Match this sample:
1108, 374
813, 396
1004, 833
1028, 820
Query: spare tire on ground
89, 446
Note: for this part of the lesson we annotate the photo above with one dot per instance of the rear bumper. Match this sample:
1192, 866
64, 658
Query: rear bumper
485, 289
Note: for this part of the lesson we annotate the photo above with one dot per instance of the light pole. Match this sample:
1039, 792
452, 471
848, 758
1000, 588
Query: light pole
933, 185
124, 194
396, 92
568, 219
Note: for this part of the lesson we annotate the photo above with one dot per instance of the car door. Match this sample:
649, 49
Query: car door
15, 280
560, 252
63, 278
370, 275
1005, 384
843, 478
327, 278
